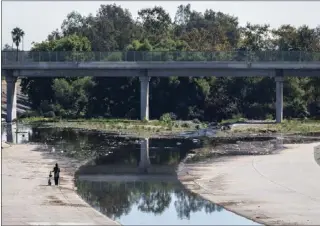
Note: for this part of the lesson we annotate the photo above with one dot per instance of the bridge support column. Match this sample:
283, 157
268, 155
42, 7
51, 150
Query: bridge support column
144, 97
144, 163
279, 95
11, 96
9, 131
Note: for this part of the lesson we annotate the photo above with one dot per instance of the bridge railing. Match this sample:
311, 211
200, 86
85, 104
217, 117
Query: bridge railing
13, 57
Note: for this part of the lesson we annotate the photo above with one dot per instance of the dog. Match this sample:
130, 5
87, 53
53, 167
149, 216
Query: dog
49, 180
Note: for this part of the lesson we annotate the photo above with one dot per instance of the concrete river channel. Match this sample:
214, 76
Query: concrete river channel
133, 181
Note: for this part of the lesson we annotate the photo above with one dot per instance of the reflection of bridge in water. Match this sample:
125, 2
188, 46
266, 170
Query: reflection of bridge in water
144, 171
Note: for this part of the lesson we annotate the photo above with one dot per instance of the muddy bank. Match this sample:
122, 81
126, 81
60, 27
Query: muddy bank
277, 189
28, 200
245, 145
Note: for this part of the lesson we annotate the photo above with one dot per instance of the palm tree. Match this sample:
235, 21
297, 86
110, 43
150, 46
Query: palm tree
17, 36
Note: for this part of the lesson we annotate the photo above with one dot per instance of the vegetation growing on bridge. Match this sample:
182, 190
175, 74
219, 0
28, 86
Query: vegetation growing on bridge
114, 29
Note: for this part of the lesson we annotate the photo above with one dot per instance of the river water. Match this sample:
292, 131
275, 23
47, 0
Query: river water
133, 181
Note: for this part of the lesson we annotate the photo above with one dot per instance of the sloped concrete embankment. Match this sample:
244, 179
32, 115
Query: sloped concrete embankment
277, 189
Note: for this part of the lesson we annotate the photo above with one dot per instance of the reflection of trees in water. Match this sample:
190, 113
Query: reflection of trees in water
76, 143
154, 199
91, 144
116, 199
112, 200
190, 202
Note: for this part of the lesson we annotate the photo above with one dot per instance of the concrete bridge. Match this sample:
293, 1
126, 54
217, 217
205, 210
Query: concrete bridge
145, 65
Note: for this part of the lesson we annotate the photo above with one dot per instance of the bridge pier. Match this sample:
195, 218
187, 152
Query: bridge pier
144, 163
279, 95
10, 135
144, 97
11, 96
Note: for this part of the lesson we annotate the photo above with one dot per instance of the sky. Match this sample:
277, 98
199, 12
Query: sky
39, 18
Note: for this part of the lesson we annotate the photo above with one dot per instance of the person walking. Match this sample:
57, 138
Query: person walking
56, 174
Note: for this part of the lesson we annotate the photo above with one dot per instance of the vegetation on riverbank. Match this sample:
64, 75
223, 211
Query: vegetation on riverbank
287, 126
168, 126
164, 126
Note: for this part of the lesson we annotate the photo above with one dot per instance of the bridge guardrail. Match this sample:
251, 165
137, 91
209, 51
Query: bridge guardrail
13, 57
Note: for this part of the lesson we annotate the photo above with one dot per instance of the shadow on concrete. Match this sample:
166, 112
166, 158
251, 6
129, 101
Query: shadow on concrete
67, 165
317, 154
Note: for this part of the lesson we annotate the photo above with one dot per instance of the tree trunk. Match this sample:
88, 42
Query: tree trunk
17, 57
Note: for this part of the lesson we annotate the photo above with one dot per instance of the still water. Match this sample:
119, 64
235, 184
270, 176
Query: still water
133, 180
155, 203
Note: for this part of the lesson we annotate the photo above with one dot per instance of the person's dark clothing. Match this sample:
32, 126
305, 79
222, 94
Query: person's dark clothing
56, 174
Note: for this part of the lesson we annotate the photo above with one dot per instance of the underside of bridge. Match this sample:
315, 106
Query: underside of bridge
11, 78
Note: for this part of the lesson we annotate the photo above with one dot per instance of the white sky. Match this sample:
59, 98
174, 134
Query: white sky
39, 18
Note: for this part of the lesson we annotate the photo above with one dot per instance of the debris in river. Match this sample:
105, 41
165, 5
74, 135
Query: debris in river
195, 140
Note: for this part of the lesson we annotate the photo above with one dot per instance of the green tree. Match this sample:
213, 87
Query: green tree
156, 23
17, 36
71, 97
7, 47
41, 89
201, 36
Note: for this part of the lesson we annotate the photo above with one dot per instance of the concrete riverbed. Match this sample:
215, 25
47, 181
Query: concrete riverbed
26, 198
279, 189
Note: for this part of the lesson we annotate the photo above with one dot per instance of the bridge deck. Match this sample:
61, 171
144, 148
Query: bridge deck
107, 65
